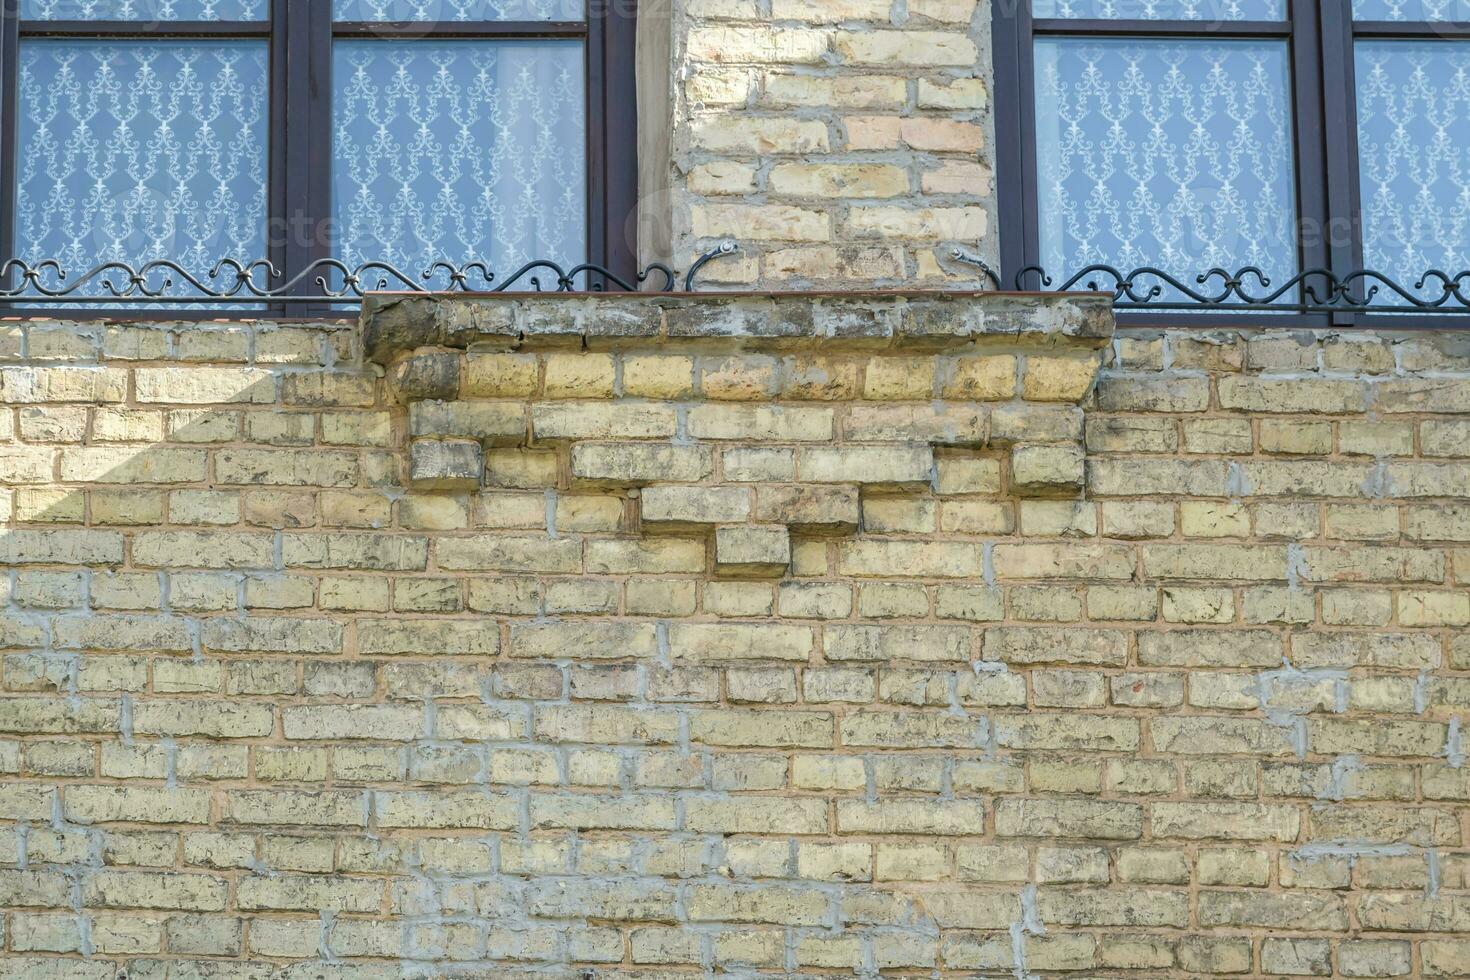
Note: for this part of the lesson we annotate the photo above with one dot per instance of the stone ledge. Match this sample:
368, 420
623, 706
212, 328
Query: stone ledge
850, 396
394, 323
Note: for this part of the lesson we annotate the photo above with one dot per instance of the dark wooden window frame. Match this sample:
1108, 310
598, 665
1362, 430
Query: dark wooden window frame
300, 34
1320, 35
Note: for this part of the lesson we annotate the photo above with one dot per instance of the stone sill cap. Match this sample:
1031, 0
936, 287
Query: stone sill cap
932, 320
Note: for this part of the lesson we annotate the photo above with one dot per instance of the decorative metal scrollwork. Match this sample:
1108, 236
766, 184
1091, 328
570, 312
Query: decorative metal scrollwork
1312, 291
327, 282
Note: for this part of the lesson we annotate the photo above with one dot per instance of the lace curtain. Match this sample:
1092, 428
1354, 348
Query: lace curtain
1161, 9
432, 10
1452, 10
133, 152
1413, 161
1175, 154
144, 10
467, 150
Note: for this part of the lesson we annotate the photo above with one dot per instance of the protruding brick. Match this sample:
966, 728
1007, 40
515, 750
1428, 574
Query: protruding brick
1046, 469
445, 464
692, 506
752, 550
636, 464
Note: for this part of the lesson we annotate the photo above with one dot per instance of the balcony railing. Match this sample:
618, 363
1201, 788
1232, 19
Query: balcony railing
333, 285
1249, 289
326, 282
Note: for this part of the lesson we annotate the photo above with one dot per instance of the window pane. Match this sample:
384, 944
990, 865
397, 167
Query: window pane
1414, 169
434, 10
459, 150
133, 151
1450, 10
1175, 154
144, 10
1203, 10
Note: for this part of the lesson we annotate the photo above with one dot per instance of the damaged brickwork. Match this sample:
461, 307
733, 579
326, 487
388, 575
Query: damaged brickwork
407, 647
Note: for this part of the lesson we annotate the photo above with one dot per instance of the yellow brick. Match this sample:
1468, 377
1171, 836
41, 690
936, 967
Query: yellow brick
899, 379
579, 376
839, 180
658, 377
499, 376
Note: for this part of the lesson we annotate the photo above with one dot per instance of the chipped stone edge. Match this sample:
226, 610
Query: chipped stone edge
920, 320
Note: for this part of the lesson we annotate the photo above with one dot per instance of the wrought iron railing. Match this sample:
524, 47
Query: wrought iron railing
329, 282
1250, 289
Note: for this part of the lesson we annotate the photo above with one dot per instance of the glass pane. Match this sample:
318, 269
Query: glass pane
1175, 154
144, 10
459, 150
435, 10
1203, 10
135, 151
1457, 11
1414, 169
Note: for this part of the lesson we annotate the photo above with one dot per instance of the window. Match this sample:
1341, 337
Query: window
1302, 141
398, 133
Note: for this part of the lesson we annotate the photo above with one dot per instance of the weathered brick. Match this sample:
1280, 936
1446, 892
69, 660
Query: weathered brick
682, 506
752, 551
436, 637
326, 808
1225, 821
1033, 645
590, 641
889, 643
864, 465
322, 693
508, 554
632, 464
1301, 910
938, 817
155, 890
1071, 818
713, 643
134, 804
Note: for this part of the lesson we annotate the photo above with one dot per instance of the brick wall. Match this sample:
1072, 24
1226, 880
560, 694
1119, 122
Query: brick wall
786, 635
840, 141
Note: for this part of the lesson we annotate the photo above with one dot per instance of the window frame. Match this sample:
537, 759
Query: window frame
300, 35
1320, 37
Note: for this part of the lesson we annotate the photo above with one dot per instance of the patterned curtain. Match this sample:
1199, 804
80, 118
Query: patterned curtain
459, 150
1452, 10
138, 151
1413, 155
144, 10
1169, 153
433, 10
1162, 9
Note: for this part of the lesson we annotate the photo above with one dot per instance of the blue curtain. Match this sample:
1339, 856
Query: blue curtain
459, 150
1169, 153
131, 151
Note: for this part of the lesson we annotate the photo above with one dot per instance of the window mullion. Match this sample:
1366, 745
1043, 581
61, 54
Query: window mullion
611, 118
1345, 242
301, 131
9, 129
1313, 137
1015, 140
